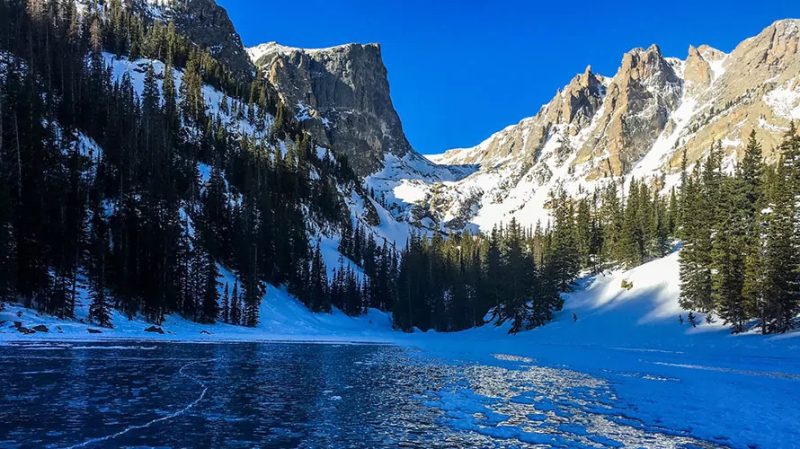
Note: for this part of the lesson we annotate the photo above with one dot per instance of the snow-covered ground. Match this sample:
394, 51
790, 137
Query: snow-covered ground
737, 391
703, 380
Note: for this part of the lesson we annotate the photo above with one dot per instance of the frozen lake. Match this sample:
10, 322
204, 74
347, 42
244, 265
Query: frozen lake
278, 395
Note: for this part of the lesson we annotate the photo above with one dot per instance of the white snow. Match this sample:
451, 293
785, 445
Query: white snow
785, 101
666, 143
703, 381
259, 51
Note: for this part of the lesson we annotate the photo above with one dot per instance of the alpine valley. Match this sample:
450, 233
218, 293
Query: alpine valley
577, 279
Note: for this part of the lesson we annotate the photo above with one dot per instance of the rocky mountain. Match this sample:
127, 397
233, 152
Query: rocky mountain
635, 124
206, 24
203, 22
341, 95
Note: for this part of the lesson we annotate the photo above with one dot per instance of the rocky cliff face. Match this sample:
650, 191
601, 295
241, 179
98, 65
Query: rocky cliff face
206, 24
635, 124
341, 95
636, 109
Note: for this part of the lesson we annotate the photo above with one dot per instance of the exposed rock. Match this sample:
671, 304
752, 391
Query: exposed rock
154, 329
697, 73
636, 124
23, 330
94, 331
205, 332
206, 24
341, 95
41, 328
637, 107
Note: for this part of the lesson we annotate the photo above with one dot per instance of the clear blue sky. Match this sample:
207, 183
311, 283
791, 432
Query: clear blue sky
460, 71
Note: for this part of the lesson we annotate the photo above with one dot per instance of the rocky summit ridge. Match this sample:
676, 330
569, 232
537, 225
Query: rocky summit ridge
341, 96
596, 129
637, 123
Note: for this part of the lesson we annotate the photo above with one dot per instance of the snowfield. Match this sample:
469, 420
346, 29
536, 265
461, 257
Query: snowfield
736, 391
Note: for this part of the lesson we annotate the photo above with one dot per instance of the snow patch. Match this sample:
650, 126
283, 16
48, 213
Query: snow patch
785, 101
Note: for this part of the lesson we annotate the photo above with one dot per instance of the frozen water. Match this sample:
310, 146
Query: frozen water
276, 395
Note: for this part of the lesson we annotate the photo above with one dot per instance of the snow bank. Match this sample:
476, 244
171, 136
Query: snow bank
282, 318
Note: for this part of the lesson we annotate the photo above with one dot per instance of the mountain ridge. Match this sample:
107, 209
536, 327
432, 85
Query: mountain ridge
636, 123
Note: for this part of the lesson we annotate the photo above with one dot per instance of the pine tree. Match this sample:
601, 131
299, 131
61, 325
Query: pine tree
492, 288
209, 310
225, 311
192, 100
631, 250
781, 285
99, 309
236, 305
520, 278
318, 283
727, 259
564, 256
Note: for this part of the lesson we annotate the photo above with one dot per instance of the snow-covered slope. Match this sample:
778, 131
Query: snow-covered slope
658, 372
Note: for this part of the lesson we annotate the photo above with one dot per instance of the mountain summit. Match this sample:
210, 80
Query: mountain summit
636, 124
339, 94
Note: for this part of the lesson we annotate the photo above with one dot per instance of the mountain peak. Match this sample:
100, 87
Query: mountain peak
340, 94
269, 49
792, 25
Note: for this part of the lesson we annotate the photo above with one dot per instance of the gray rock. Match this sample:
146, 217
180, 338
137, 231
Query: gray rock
204, 23
24, 330
341, 96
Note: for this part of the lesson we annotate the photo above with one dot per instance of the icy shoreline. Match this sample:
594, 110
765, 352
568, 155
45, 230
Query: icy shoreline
703, 382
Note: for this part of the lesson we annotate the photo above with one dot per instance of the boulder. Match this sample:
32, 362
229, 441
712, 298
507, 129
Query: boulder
154, 329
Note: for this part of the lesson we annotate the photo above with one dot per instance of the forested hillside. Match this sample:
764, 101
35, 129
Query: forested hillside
138, 188
136, 168
135, 165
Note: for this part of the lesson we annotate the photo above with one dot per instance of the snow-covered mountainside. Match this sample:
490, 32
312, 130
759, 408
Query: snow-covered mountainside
637, 123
